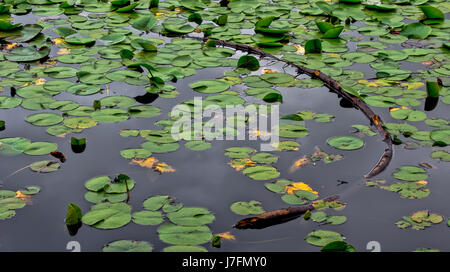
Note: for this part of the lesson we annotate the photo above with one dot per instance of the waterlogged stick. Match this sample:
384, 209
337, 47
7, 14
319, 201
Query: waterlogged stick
268, 219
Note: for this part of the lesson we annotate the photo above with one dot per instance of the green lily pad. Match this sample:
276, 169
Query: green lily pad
110, 115
40, 148
44, 119
128, 246
108, 215
209, 86
185, 249
117, 101
198, 145
409, 114
323, 237
265, 158
45, 166
410, 173
156, 202
441, 135
261, 172
13, 146
292, 131
345, 142
160, 148
191, 216
9, 102
25, 54
246, 208
416, 30
277, 78
183, 235
135, 153
147, 218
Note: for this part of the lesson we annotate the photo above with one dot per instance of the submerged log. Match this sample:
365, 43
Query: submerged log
271, 218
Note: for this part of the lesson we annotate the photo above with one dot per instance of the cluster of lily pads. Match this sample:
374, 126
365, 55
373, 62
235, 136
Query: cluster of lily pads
10, 201
80, 48
19, 145
185, 229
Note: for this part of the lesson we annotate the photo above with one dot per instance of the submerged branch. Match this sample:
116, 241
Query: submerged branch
271, 218
334, 86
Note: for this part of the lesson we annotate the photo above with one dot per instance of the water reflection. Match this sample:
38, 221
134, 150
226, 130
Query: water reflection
345, 103
73, 229
147, 98
431, 103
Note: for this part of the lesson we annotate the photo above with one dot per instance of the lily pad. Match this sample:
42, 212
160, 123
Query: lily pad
261, 172
410, 173
40, 148
191, 216
182, 235
323, 237
44, 119
108, 215
128, 246
345, 142
147, 218
246, 208
209, 86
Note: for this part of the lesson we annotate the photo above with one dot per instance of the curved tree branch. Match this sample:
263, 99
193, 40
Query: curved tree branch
334, 86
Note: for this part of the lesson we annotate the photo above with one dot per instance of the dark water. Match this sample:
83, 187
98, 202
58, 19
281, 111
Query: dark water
204, 179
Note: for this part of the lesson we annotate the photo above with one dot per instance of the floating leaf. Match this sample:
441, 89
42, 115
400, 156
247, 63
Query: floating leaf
345, 142
74, 214
323, 237
246, 208
416, 31
191, 216
40, 148
128, 246
147, 218
248, 62
108, 215
410, 173
45, 166
261, 172
338, 246
182, 235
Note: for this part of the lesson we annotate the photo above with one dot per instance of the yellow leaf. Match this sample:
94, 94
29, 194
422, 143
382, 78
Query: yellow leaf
58, 40
268, 71
423, 182
412, 85
227, 235
299, 186
24, 198
163, 168
39, 81
11, 46
63, 51
197, 30
300, 49
299, 164
149, 162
